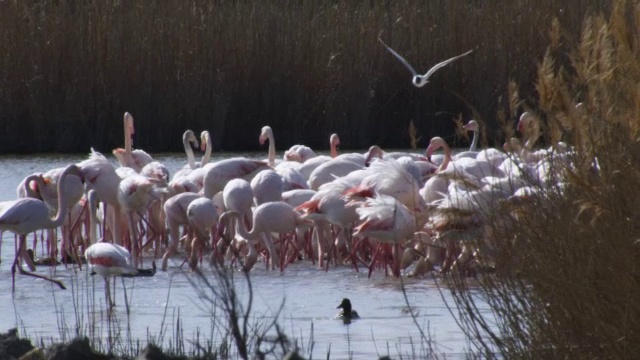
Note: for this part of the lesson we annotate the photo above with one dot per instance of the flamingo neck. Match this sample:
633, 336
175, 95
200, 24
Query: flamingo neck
533, 136
334, 148
191, 160
240, 226
128, 142
92, 203
29, 191
63, 199
207, 151
447, 157
474, 142
272, 149
374, 151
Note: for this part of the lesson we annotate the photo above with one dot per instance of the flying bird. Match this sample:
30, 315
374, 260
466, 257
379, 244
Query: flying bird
422, 80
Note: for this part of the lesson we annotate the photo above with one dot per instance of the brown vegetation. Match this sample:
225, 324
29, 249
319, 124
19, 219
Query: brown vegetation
70, 69
567, 283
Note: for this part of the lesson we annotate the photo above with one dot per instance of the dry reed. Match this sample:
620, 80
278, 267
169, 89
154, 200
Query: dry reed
567, 282
70, 69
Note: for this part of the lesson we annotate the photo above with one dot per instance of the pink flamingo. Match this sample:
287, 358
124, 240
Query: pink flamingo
135, 159
219, 173
24, 216
299, 153
270, 217
331, 170
107, 260
175, 210
390, 222
203, 217
267, 186
135, 193
206, 146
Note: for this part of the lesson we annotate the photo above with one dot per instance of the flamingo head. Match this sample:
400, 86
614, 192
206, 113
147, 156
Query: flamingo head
204, 139
128, 120
435, 144
472, 125
189, 137
523, 123
334, 140
292, 156
374, 152
265, 134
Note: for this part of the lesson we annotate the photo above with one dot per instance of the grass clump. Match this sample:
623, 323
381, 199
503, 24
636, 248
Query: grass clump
567, 280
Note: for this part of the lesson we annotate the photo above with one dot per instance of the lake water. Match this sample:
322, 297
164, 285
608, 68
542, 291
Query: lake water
309, 295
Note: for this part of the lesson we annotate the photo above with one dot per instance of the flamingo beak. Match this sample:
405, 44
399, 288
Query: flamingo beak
429, 152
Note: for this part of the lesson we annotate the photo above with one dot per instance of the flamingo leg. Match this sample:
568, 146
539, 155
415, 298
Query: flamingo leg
24, 256
17, 263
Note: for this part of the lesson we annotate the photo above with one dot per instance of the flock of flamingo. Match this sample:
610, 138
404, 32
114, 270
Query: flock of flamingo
374, 210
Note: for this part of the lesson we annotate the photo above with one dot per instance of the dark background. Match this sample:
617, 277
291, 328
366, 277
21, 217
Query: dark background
70, 69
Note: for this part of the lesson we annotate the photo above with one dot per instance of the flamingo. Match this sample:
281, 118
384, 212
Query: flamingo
101, 176
74, 190
334, 142
331, 169
292, 178
307, 168
175, 210
529, 127
135, 193
376, 151
206, 146
472, 125
422, 80
270, 217
299, 153
219, 173
389, 177
24, 216
127, 157
203, 216
266, 134
238, 195
267, 186
390, 222
329, 206
107, 260
28, 188
189, 141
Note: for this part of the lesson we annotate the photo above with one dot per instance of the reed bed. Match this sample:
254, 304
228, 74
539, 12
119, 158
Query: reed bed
567, 281
70, 69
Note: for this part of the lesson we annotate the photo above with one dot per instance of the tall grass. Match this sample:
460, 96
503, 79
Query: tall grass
567, 283
70, 69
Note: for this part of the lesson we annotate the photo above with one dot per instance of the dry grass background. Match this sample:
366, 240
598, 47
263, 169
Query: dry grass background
70, 69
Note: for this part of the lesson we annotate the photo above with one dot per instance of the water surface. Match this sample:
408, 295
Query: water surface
309, 297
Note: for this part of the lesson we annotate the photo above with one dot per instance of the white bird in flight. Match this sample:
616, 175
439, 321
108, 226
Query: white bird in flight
422, 80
